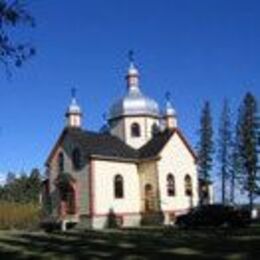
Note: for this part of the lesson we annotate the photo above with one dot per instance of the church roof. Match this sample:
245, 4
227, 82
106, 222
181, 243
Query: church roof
102, 144
106, 146
156, 144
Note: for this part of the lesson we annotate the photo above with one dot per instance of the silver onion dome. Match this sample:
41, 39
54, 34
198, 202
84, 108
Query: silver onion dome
134, 102
74, 108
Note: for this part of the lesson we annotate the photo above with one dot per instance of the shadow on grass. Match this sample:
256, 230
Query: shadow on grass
134, 244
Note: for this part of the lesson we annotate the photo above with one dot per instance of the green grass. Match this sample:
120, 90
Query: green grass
149, 243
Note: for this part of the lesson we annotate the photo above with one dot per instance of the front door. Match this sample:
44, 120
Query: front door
149, 199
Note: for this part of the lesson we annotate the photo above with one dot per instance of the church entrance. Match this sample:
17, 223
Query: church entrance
68, 201
66, 187
149, 199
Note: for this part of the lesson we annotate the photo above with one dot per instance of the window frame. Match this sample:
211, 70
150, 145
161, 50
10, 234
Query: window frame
188, 187
61, 161
135, 130
170, 185
76, 160
118, 187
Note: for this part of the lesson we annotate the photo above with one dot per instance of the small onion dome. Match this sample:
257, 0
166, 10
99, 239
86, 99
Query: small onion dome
170, 111
132, 71
73, 108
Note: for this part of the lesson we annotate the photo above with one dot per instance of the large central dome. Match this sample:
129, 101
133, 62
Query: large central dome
134, 103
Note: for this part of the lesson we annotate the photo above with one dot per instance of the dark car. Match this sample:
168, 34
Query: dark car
214, 215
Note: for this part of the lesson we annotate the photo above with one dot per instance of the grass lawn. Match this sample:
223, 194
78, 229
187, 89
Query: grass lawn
149, 243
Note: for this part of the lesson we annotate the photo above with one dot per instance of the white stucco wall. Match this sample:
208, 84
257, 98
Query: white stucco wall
176, 159
103, 174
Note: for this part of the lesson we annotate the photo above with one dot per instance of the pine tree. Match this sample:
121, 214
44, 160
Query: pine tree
224, 148
34, 185
205, 145
10, 178
248, 146
236, 160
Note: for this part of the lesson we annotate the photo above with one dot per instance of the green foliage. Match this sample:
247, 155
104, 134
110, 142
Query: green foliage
224, 147
205, 145
248, 145
12, 15
235, 161
24, 189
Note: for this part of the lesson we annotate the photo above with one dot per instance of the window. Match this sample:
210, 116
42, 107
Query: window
170, 185
135, 130
118, 187
76, 159
61, 162
188, 185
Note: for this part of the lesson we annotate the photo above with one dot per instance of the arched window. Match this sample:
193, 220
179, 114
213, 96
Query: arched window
76, 159
135, 130
61, 162
118, 187
170, 185
188, 185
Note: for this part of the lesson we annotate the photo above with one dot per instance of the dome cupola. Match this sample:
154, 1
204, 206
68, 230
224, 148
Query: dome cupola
170, 113
74, 114
134, 103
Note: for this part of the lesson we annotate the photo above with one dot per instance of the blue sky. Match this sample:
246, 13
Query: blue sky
198, 50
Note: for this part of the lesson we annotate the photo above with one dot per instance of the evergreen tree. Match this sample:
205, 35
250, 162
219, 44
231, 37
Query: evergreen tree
248, 146
34, 181
205, 145
235, 169
224, 148
22, 189
10, 178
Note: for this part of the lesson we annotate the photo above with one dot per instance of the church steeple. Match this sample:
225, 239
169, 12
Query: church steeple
132, 76
74, 114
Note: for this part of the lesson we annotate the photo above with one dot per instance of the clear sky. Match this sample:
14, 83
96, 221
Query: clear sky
198, 50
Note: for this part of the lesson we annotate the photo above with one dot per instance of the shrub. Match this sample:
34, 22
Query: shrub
18, 215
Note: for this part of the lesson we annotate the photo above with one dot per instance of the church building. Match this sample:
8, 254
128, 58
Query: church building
139, 169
